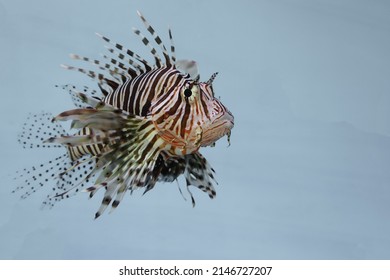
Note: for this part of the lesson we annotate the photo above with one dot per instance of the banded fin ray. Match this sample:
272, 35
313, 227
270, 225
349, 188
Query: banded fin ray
173, 54
117, 73
128, 159
77, 95
124, 52
157, 39
73, 178
29, 180
63, 177
37, 128
200, 174
196, 169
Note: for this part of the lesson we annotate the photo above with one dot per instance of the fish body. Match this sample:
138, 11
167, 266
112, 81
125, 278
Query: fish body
145, 125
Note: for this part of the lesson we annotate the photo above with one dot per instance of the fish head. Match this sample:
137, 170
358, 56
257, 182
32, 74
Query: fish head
217, 121
190, 116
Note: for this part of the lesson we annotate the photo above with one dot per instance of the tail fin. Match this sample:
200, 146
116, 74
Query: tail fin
37, 128
61, 175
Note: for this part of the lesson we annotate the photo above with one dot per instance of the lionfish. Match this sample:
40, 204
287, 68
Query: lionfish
145, 124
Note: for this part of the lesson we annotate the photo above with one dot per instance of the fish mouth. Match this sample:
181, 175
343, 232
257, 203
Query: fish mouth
217, 130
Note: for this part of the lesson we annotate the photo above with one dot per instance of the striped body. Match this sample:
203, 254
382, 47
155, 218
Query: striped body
146, 125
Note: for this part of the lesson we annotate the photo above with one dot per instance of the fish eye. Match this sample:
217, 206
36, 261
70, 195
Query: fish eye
187, 92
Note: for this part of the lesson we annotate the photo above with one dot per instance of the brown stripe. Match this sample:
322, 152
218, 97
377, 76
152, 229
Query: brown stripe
204, 105
184, 118
173, 78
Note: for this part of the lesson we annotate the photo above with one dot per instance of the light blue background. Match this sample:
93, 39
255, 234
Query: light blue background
307, 174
